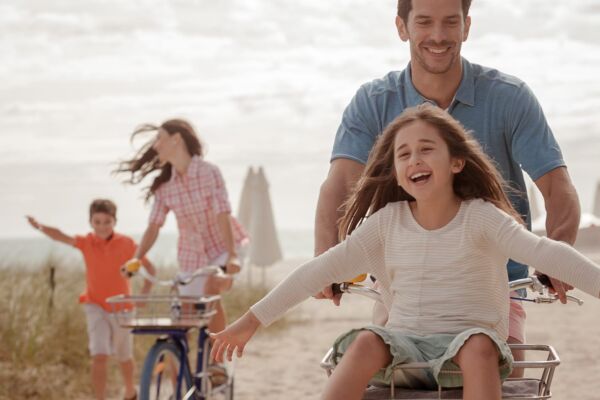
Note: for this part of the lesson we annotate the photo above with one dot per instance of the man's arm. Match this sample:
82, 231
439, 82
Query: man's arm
343, 175
562, 213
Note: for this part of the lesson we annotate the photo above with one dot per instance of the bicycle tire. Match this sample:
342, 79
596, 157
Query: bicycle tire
159, 373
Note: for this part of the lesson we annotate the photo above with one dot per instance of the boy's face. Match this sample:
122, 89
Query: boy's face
103, 224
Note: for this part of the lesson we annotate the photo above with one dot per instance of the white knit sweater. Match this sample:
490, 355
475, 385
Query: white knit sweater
435, 281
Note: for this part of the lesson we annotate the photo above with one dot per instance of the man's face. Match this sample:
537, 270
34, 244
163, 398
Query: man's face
435, 30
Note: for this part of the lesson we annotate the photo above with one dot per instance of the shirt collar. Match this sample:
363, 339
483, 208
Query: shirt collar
192, 170
465, 93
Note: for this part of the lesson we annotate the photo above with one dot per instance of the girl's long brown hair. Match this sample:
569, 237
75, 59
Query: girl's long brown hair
146, 159
377, 186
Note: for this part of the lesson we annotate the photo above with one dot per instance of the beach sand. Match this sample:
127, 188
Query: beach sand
283, 363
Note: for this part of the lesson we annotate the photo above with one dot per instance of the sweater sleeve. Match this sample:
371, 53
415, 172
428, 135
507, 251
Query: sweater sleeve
554, 258
361, 252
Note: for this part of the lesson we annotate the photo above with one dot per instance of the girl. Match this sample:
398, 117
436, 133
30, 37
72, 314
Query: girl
195, 191
430, 220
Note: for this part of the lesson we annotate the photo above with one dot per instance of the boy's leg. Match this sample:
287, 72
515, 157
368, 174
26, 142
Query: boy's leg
127, 369
365, 356
98, 327
122, 341
99, 368
478, 361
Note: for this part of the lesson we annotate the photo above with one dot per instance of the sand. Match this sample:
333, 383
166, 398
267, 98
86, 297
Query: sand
284, 363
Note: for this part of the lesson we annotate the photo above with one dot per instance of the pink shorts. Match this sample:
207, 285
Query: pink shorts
516, 320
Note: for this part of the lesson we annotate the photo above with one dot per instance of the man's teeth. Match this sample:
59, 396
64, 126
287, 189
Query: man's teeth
438, 51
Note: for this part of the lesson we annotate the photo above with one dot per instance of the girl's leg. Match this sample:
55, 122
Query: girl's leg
478, 361
99, 367
365, 356
127, 368
217, 285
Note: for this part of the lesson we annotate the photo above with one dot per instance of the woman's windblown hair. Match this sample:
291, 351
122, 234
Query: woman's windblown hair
378, 185
146, 159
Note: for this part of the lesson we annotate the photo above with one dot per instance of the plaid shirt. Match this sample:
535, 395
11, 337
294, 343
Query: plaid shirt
196, 198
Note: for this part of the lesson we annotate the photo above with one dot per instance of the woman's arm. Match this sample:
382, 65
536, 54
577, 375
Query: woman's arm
52, 233
147, 241
224, 221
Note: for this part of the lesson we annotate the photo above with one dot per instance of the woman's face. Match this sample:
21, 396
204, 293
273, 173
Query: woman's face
165, 146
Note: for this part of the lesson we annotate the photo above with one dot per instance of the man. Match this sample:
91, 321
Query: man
499, 109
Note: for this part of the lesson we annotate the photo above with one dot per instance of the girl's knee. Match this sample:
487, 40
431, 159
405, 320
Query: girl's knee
367, 341
479, 346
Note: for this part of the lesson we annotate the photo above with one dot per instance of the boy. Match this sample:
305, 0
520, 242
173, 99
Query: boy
104, 251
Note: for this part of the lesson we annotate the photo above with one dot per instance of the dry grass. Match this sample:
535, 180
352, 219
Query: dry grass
44, 348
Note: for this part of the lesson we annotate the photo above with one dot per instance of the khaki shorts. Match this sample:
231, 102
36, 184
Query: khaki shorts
436, 350
105, 335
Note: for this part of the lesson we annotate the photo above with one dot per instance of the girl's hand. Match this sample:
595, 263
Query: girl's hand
235, 336
233, 265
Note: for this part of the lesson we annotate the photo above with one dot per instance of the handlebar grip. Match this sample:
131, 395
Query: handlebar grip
132, 266
336, 288
545, 280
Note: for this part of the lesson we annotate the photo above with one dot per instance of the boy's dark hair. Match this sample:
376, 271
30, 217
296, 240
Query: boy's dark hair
103, 206
404, 7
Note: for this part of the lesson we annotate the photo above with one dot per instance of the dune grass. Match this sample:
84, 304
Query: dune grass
43, 333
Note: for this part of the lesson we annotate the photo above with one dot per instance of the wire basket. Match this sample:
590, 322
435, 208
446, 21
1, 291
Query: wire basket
163, 312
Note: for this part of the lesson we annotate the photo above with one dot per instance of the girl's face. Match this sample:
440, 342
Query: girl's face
165, 146
423, 165
103, 224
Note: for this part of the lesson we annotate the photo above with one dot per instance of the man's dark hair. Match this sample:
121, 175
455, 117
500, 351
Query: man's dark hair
404, 7
103, 206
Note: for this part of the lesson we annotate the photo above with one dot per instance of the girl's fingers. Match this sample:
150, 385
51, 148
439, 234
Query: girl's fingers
240, 350
222, 347
230, 352
215, 348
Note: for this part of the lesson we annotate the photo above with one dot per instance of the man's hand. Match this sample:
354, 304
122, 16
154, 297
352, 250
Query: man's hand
327, 293
560, 288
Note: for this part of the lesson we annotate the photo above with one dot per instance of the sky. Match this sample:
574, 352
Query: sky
264, 83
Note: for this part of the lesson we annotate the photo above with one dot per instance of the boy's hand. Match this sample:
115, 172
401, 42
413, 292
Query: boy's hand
130, 268
33, 222
233, 338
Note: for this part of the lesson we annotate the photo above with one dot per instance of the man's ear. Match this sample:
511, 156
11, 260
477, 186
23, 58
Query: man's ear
467, 28
401, 27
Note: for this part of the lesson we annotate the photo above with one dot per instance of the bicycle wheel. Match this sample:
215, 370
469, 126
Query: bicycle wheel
159, 374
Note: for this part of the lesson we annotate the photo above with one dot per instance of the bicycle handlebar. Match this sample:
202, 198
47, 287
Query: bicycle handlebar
538, 284
134, 267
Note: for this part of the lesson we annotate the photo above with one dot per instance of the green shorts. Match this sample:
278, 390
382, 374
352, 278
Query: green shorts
436, 350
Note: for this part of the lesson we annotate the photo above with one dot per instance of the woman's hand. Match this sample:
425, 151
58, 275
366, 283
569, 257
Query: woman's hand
232, 265
233, 338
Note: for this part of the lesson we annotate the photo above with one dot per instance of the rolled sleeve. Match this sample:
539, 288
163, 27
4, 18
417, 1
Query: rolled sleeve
357, 131
220, 199
159, 211
533, 144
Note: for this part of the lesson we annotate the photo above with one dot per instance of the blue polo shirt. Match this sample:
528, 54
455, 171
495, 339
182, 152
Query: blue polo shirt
500, 111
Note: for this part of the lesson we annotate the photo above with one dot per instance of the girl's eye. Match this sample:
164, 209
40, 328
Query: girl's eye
426, 149
403, 155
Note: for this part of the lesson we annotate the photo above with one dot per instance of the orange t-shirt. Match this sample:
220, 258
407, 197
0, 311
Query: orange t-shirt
103, 260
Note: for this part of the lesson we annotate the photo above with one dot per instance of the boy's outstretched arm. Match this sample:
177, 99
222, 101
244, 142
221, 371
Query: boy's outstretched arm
235, 336
52, 233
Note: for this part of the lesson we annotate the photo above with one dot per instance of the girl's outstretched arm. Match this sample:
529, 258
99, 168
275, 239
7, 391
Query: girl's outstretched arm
52, 233
235, 336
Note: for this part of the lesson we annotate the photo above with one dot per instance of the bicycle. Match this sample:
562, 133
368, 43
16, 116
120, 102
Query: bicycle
512, 388
166, 372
